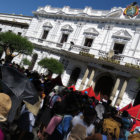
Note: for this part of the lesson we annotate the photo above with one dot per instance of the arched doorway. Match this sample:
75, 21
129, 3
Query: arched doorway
137, 99
104, 85
35, 56
74, 76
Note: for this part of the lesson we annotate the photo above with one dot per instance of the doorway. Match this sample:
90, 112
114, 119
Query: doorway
74, 76
104, 86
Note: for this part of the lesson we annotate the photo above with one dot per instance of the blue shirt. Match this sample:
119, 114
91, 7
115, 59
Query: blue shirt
64, 126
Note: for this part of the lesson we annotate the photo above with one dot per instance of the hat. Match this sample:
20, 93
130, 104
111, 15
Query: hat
33, 108
5, 106
86, 92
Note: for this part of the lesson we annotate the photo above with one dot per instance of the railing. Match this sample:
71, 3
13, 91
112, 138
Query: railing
117, 58
99, 54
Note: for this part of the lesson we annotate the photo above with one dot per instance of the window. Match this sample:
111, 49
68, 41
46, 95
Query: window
0, 29
64, 38
45, 34
19, 33
10, 31
118, 48
88, 42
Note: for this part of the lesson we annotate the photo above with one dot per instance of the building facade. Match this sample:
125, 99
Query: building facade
98, 48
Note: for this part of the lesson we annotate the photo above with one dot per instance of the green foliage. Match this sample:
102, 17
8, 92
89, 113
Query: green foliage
25, 61
15, 43
86, 54
52, 65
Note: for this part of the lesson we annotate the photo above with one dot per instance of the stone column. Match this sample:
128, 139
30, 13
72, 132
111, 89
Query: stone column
93, 85
115, 89
91, 78
120, 96
84, 79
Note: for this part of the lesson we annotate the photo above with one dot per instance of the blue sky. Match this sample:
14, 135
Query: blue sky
26, 7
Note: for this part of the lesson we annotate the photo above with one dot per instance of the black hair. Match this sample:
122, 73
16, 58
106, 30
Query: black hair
125, 114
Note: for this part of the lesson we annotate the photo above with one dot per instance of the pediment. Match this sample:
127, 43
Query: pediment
47, 24
122, 34
42, 12
116, 13
92, 31
60, 12
67, 28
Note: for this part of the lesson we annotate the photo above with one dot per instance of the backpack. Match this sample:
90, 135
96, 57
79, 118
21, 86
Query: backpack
111, 127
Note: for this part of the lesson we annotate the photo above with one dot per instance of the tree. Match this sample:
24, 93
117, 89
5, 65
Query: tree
25, 61
52, 65
11, 43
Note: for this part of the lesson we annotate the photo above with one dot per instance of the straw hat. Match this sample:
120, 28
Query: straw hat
33, 108
5, 106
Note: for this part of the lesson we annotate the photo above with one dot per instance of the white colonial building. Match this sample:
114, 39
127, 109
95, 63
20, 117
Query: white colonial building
98, 48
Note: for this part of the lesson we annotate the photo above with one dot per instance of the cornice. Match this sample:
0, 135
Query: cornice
87, 18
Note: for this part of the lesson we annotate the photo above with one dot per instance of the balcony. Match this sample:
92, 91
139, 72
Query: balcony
90, 53
127, 61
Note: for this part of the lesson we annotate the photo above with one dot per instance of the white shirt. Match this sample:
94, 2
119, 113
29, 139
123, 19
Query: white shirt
78, 120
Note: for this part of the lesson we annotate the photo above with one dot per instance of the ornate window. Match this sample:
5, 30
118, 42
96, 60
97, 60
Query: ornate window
90, 34
120, 39
66, 30
46, 28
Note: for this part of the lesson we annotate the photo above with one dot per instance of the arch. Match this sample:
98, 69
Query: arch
74, 76
33, 61
104, 84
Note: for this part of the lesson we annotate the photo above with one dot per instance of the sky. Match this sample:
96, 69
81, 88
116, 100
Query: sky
26, 7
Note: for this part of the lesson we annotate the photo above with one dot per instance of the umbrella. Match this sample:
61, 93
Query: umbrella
49, 86
19, 84
126, 107
135, 111
18, 87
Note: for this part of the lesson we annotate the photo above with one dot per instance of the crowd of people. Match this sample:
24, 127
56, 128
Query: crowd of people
62, 114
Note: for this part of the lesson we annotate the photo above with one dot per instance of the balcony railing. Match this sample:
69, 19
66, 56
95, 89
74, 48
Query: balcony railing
117, 58
99, 54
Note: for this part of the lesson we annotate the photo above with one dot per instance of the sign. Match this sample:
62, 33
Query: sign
131, 11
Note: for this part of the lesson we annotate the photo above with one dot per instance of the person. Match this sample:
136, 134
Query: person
5, 106
82, 125
126, 123
63, 128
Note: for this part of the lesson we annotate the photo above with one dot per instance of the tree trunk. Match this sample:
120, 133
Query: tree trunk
8, 58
